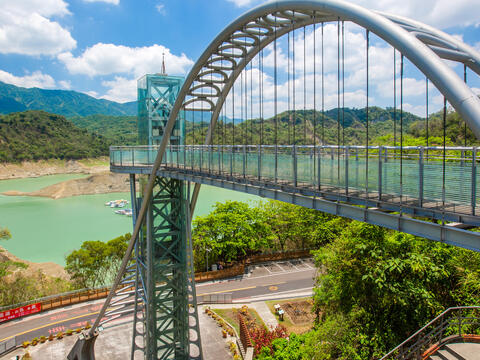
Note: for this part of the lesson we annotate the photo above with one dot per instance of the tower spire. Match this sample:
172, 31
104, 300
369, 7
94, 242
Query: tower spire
164, 71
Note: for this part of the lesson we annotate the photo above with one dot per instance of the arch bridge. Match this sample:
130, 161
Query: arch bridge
258, 123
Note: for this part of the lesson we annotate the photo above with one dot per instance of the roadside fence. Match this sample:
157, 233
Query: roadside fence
83, 295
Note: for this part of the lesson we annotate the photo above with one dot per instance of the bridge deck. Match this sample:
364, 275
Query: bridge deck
292, 174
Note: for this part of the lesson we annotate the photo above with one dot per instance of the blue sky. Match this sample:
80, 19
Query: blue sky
100, 47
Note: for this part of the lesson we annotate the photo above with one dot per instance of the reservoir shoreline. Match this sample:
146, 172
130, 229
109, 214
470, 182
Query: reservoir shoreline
33, 169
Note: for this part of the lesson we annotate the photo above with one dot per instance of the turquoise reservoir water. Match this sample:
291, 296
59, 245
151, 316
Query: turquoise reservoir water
47, 230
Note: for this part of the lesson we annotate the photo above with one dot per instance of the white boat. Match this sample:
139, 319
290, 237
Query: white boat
127, 212
116, 203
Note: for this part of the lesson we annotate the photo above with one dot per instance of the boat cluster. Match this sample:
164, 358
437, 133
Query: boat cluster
127, 212
120, 204
117, 203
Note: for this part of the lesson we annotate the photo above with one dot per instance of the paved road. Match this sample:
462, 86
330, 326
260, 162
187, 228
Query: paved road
266, 280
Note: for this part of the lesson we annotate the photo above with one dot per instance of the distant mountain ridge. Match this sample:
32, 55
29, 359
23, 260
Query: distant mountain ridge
61, 102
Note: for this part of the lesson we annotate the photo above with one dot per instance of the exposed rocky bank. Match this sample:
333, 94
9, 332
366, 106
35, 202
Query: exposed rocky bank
29, 169
47, 268
101, 183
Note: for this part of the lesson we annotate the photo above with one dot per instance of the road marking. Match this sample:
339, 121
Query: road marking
47, 325
265, 267
308, 265
277, 283
226, 291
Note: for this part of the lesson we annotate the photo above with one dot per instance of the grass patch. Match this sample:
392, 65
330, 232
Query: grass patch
230, 316
287, 321
100, 161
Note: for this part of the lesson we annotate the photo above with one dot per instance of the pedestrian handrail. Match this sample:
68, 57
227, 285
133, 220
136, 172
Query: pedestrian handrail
8, 345
451, 324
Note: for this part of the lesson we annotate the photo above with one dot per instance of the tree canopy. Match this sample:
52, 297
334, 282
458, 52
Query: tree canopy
96, 262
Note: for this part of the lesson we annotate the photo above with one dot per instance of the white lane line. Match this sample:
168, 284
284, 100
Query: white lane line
308, 265
271, 272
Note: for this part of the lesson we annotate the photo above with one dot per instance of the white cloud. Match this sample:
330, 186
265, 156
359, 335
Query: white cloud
26, 27
121, 89
92, 93
440, 13
107, 59
241, 3
114, 2
35, 79
65, 84
161, 9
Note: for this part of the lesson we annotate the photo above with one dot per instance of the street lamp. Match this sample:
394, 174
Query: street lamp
207, 250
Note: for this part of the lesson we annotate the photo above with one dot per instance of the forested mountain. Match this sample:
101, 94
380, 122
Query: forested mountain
120, 130
384, 129
61, 102
292, 127
34, 135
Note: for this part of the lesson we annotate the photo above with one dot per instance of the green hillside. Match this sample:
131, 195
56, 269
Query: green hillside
120, 130
62, 102
35, 135
381, 123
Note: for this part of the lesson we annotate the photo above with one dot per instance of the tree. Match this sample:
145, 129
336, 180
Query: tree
96, 263
385, 285
232, 231
5, 234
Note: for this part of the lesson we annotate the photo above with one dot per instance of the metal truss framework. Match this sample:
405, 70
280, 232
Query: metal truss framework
340, 205
214, 74
167, 309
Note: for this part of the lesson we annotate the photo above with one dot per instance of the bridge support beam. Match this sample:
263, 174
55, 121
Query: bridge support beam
165, 239
83, 348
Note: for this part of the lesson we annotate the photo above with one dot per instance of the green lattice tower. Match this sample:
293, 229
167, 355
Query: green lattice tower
166, 273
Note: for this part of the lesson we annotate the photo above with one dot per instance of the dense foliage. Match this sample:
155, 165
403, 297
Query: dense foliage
234, 230
352, 127
377, 287
384, 129
119, 130
96, 262
35, 135
61, 102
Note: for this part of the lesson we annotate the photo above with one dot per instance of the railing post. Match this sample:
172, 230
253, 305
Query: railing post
259, 159
244, 160
380, 172
276, 163
231, 161
331, 165
121, 157
210, 159
420, 175
294, 155
462, 162
220, 160
184, 156
385, 151
347, 153
133, 157
319, 167
474, 179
